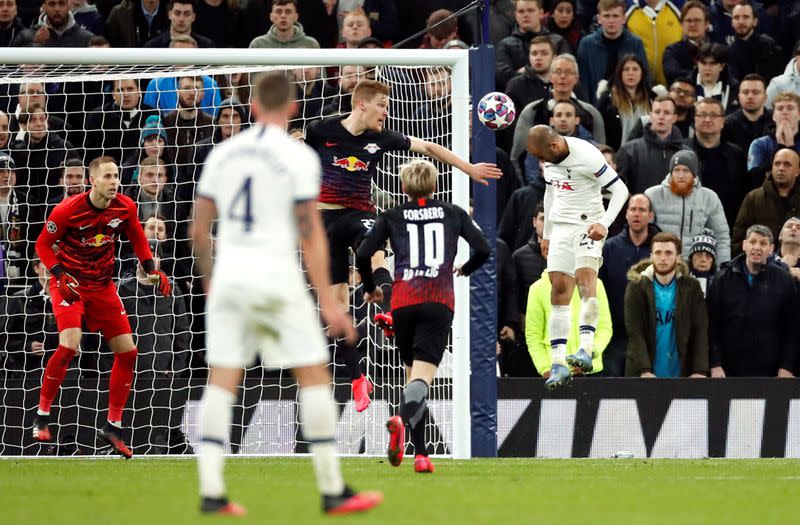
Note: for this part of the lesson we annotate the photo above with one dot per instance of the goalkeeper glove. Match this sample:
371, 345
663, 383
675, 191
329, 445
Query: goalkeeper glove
385, 323
160, 278
66, 284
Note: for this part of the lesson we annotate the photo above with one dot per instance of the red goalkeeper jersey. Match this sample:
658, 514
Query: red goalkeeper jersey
88, 238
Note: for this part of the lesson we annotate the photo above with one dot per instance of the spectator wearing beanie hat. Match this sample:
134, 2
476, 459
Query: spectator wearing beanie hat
702, 257
153, 142
684, 207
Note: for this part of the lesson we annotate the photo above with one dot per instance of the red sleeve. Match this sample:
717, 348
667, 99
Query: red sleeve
135, 234
53, 230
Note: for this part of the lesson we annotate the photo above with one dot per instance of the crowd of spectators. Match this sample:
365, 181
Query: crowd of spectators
695, 103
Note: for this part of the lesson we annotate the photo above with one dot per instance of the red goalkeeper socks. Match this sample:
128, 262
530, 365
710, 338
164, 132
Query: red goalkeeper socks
120, 384
53, 376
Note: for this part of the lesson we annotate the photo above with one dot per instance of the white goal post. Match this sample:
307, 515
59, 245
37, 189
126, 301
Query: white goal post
54, 65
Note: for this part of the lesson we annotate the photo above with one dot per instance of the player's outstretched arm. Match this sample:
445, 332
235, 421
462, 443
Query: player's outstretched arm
314, 245
479, 172
205, 211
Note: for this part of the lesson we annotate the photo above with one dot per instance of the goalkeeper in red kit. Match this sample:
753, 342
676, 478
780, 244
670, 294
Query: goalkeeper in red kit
86, 228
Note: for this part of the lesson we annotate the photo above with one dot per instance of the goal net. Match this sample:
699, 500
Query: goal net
159, 122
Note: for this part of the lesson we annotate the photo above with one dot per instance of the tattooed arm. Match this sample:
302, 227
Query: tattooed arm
314, 245
205, 211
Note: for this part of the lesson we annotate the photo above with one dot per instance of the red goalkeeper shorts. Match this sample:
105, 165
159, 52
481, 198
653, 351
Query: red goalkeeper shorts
102, 310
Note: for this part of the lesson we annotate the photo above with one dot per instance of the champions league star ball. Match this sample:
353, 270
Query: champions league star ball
496, 110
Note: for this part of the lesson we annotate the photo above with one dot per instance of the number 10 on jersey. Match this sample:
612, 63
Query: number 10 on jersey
432, 250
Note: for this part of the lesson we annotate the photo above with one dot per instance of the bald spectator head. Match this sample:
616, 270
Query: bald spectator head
785, 169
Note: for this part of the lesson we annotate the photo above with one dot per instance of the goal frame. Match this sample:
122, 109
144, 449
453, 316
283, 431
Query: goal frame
456, 59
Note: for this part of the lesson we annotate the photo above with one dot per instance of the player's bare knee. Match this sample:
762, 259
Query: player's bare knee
379, 260
225, 378
561, 288
586, 279
71, 338
313, 375
422, 370
122, 343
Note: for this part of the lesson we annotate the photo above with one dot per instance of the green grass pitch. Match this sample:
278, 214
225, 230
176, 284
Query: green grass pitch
487, 492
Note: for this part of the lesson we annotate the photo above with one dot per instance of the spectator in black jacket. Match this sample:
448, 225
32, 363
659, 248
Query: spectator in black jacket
723, 165
161, 324
342, 103
39, 157
752, 309
533, 82
620, 253
72, 181
230, 120
752, 119
712, 77
220, 21
15, 241
181, 15
751, 51
529, 261
680, 57
113, 129
30, 328
512, 51
516, 226
507, 303
10, 23
132, 23
56, 28
703, 258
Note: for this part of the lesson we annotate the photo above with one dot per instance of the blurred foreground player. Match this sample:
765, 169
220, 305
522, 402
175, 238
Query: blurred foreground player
350, 148
424, 234
261, 187
86, 227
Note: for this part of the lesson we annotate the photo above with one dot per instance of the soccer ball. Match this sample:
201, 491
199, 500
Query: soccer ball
496, 110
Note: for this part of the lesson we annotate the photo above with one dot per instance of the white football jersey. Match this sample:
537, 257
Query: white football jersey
255, 178
577, 183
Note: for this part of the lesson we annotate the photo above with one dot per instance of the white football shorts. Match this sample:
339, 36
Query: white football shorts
283, 328
571, 248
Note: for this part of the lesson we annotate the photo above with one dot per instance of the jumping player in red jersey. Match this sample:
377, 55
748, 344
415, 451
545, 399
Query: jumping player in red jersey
350, 149
424, 234
86, 228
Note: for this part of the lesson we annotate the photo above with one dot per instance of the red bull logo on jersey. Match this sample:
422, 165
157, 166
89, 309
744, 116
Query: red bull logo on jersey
97, 240
351, 163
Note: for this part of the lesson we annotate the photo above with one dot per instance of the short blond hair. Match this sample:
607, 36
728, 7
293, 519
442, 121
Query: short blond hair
787, 96
419, 178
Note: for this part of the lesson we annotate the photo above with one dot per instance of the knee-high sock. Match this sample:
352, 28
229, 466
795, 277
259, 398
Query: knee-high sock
559, 327
54, 374
318, 417
588, 323
413, 405
383, 280
216, 412
119, 386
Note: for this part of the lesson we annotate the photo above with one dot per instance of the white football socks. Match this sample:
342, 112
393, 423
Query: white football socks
318, 417
216, 413
588, 323
558, 328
